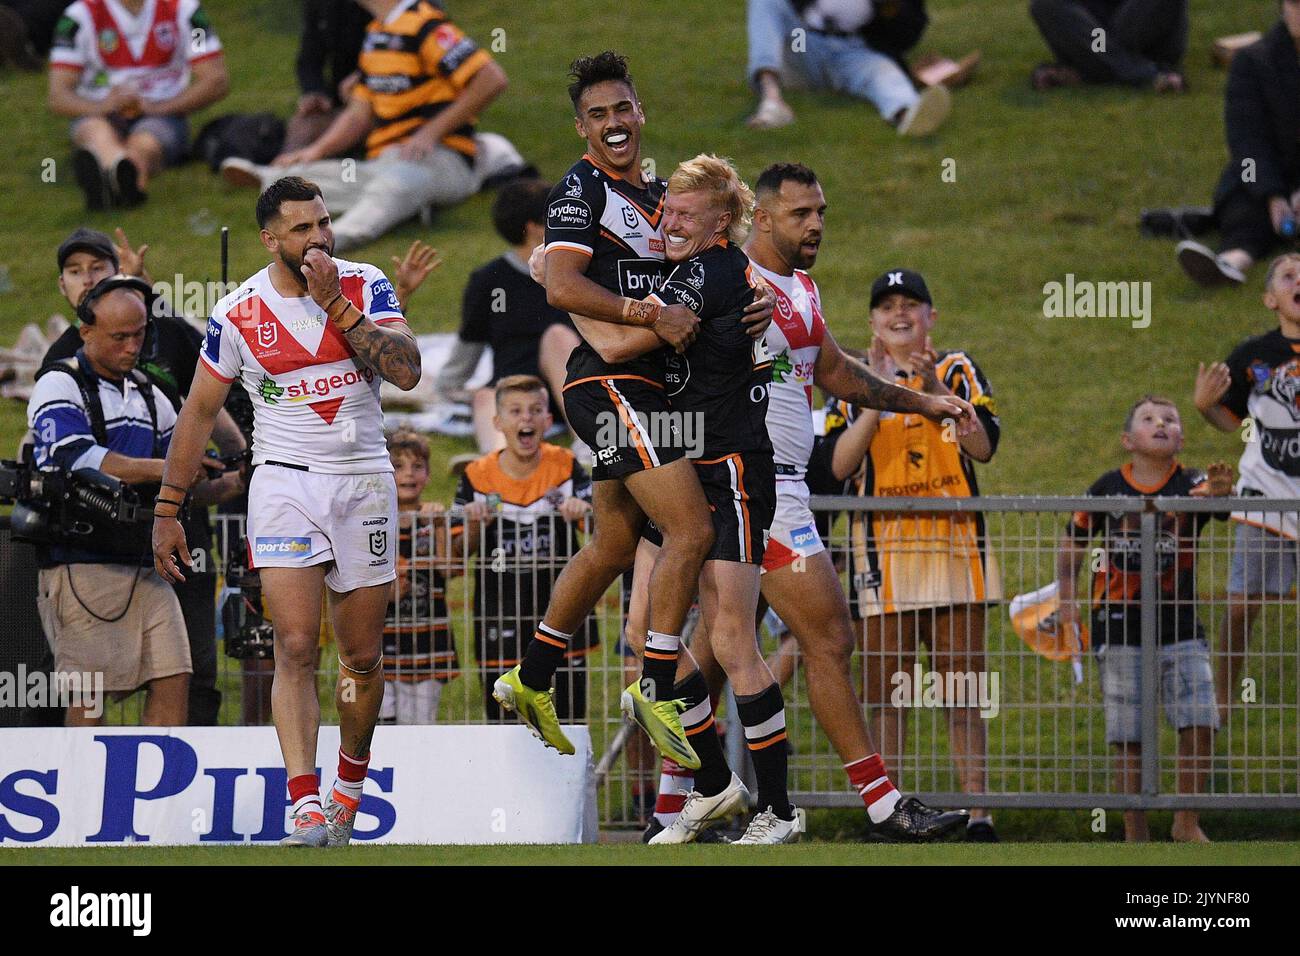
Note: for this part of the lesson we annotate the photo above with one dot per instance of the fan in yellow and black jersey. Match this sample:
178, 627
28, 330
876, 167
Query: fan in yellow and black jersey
920, 577
414, 64
523, 508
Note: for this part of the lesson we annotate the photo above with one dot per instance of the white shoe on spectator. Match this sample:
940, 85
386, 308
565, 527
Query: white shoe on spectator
1204, 267
928, 112
700, 812
771, 114
582, 451
241, 173
768, 828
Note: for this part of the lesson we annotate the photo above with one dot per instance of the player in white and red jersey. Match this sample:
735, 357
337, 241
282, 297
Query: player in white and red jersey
799, 581
309, 336
129, 72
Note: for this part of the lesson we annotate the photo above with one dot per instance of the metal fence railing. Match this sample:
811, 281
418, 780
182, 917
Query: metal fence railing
1030, 731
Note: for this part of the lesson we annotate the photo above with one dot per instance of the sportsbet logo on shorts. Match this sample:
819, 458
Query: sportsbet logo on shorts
281, 547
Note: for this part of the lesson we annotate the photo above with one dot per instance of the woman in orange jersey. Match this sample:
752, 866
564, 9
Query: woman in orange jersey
924, 577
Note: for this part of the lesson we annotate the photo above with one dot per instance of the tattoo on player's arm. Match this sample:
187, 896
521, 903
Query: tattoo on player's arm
393, 353
863, 387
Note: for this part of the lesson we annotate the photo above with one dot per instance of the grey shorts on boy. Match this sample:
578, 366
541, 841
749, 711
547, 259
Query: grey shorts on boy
1186, 688
1263, 561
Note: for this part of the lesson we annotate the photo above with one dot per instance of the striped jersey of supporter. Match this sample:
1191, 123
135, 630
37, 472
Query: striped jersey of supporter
315, 402
112, 51
413, 66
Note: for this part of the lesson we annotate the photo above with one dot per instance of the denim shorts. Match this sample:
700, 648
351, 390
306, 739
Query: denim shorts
1186, 688
1263, 562
171, 132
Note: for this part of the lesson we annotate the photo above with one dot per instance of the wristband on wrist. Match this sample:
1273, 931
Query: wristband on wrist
184, 491
353, 326
641, 312
329, 305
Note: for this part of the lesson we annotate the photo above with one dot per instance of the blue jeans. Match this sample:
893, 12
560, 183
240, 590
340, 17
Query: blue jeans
843, 64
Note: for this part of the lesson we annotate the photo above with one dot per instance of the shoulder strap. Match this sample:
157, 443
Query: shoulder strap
89, 388
143, 383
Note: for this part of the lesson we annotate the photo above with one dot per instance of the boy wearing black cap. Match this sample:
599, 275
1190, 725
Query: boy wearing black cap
919, 577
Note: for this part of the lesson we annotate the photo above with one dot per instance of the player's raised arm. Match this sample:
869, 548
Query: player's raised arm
848, 379
392, 352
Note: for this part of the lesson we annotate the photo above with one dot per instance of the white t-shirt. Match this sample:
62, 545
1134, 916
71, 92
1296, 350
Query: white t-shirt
794, 340
151, 52
315, 403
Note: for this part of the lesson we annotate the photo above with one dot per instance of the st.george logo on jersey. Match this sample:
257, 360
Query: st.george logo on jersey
268, 333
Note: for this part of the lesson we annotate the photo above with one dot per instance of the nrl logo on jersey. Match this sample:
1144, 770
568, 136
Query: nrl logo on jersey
268, 333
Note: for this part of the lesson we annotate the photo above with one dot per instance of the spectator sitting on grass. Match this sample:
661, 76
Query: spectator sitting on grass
1153, 436
1257, 200
1130, 42
850, 46
423, 85
123, 72
503, 307
332, 34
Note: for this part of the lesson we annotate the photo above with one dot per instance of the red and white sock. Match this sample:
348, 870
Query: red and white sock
675, 783
352, 777
304, 791
872, 783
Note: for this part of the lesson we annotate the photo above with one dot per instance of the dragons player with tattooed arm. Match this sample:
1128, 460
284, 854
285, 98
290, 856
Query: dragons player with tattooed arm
310, 337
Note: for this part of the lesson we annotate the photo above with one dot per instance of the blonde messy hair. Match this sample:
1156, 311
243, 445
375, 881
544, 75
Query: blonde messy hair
716, 175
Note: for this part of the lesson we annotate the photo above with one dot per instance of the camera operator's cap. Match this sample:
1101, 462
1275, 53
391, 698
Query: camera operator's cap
88, 240
905, 281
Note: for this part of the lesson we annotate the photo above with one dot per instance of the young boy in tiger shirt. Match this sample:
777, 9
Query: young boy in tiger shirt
419, 647
1153, 437
523, 506
925, 577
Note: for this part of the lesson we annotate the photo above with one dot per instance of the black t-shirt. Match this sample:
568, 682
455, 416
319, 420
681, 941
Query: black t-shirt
723, 375
1117, 587
504, 308
619, 225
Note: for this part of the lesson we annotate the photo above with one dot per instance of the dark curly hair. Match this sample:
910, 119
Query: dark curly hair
587, 71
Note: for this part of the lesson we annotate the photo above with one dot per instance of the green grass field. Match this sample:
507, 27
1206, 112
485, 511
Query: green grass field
1045, 185
808, 854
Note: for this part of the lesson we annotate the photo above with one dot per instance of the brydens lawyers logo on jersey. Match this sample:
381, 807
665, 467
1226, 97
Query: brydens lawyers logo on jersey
568, 214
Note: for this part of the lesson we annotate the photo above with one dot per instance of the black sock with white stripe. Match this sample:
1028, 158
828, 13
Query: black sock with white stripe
543, 657
659, 665
763, 716
697, 720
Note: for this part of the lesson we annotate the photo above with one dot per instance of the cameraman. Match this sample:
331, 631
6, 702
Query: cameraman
169, 356
102, 606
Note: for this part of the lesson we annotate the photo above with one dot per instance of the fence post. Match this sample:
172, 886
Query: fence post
1150, 648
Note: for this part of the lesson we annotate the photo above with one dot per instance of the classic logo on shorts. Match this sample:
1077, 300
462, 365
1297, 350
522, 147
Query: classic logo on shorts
568, 214
281, 547
378, 543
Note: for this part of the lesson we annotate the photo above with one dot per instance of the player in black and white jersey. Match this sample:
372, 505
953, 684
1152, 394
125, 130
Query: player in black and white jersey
718, 389
604, 255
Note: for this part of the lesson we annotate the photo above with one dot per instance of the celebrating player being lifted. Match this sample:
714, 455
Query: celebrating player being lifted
721, 383
604, 254
310, 336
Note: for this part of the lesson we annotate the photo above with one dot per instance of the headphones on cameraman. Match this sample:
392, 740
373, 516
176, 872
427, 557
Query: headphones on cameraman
85, 308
